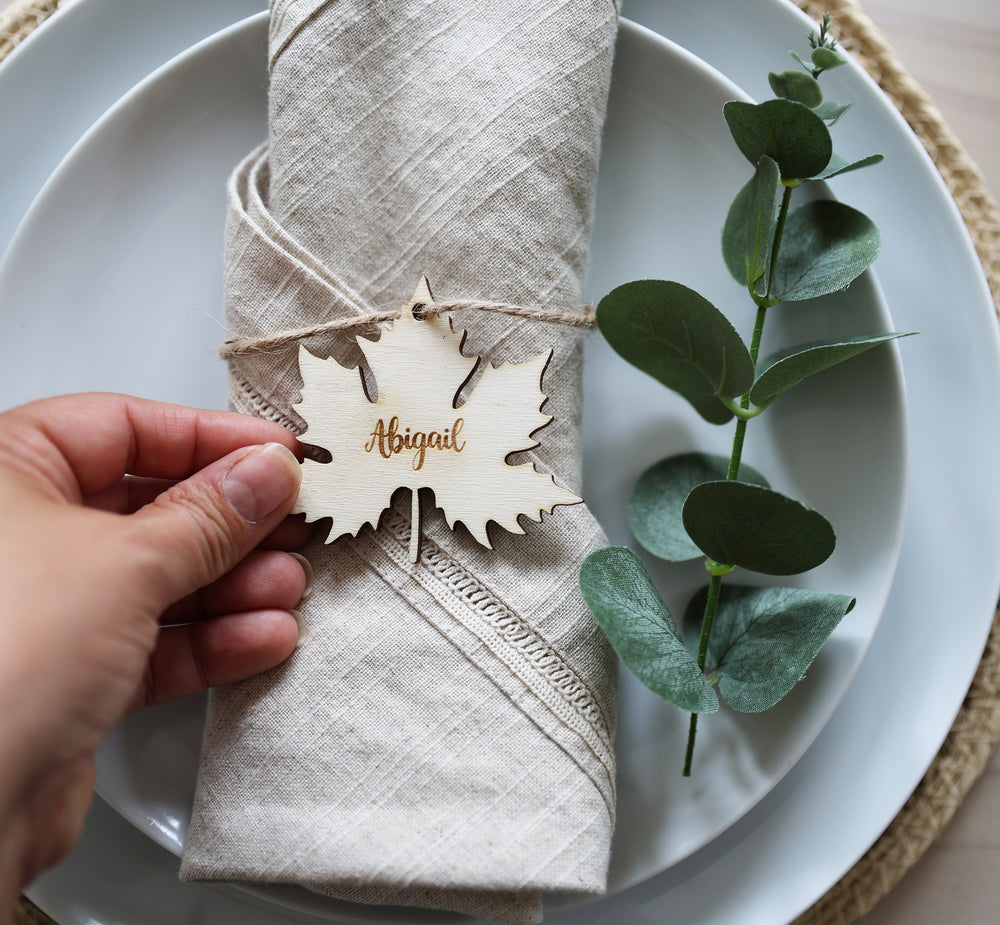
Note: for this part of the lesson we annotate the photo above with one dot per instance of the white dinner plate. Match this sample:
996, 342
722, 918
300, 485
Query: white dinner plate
73, 67
956, 381
132, 301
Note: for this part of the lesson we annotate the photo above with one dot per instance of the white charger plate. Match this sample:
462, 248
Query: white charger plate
134, 213
882, 746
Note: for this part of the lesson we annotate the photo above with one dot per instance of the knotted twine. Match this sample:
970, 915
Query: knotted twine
242, 346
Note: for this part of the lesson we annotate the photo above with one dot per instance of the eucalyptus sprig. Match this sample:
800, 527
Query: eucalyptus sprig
747, 645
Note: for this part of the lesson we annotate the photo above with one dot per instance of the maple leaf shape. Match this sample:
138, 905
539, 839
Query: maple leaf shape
415, 435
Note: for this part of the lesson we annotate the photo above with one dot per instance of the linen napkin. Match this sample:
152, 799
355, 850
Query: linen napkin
443, 735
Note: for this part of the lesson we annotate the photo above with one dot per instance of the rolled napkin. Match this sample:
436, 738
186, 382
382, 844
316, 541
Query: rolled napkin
443, 735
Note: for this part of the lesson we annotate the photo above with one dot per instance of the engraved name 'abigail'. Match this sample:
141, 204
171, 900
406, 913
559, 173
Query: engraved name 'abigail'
389, 441
398, 441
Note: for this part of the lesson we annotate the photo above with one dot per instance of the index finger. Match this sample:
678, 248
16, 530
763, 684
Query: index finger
84, 443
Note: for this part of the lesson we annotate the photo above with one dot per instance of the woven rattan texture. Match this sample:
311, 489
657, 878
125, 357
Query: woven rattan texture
976, 730
20, 19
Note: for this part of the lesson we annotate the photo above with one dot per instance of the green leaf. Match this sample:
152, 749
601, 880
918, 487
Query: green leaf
794, 85
831, 113
678, 337
764, 639
621, 596
657, 501
789, 133
838, 165
826, 59
748, 233
756, 528
799, 58
789, 368
826, 246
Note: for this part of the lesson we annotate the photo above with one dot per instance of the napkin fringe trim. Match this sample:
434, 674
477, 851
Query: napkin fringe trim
521, 637
242, 394
502, 630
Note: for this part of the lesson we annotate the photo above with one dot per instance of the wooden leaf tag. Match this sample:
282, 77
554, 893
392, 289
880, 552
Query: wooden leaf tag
415, 435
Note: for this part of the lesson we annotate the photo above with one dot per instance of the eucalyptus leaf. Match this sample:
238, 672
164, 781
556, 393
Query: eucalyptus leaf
657, 501
759, 529
826, 59
801, 61
839, 165
748, 234
831, 113
618, 590
789, 133
789, 368
678, 337
764, 639
826, 246
794, 85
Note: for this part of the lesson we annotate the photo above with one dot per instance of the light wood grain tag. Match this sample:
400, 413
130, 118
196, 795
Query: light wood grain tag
415, 435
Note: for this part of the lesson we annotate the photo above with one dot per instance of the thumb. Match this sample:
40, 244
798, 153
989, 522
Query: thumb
198, 529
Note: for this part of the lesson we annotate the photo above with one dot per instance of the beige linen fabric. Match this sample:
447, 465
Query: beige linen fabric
443, 736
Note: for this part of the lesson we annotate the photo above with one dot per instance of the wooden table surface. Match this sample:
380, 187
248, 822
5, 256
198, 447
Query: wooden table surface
952, 48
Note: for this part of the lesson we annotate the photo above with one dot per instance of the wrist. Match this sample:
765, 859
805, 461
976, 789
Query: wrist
15, 860
19, 745
41, 823
12, 836
13, 872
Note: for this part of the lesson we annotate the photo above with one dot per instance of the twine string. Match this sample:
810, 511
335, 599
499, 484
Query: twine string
243, 346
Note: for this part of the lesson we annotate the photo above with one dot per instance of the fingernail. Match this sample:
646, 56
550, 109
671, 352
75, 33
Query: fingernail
308, 569
262, 481
302, 627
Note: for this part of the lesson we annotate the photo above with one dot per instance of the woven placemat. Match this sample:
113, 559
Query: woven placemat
976, 730
20, 19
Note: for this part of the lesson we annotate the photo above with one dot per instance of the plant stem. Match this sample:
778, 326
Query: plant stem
779, 231
707, 622
758, 333
755, 339
711, 606
735, 458
739, 434
692, 734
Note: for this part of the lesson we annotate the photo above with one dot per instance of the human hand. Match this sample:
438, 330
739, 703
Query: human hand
118, 516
